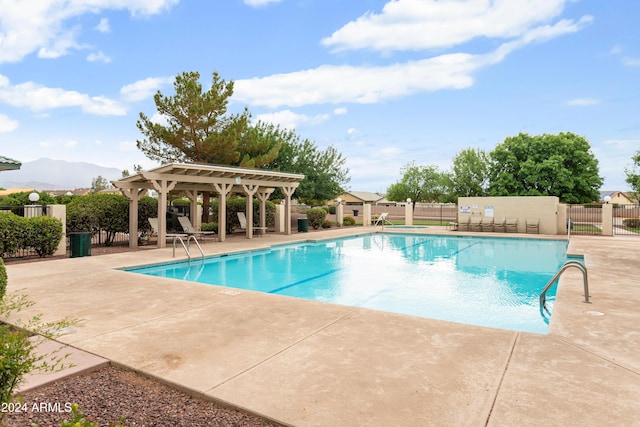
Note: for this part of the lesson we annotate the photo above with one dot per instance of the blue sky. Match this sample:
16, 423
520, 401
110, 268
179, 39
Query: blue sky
385, 82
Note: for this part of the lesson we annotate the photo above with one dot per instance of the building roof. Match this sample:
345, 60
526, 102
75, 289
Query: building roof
201, 176
9, 164
365, 196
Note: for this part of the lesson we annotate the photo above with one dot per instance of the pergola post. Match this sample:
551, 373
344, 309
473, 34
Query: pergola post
163, 187
133, 194
288, 192
249, 190
192, 195
223, 191
263, 195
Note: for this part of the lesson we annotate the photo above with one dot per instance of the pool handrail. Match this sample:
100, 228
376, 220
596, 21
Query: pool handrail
187, 246
572, 263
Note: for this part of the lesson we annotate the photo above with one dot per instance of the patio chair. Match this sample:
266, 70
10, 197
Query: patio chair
155, 227
487, 224
532, 224
382, 220
475, 223
243, 224
463, 223
511, 225
191, 230
500, 224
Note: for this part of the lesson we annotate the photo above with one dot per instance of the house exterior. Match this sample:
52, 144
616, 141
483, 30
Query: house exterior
358, 198
617, 198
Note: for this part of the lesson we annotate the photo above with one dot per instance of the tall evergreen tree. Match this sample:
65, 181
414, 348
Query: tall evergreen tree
199, 129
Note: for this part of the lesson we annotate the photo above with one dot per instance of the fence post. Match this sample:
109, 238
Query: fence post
607, 219
408, 212
60, 212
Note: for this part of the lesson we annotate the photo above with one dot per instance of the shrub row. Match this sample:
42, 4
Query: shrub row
631, 222
41, 233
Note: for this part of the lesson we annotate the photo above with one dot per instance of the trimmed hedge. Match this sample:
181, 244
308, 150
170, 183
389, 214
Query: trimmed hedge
349, 220
41, 233
3, 279
316, 217
238, 204
631, 222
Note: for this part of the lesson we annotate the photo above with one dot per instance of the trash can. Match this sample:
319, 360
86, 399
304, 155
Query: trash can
80, 244
303, 225
355, 212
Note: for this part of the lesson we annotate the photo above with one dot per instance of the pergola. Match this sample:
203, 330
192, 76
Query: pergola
195, 178
9, 164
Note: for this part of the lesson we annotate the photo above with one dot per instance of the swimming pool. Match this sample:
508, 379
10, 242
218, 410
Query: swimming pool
482, 281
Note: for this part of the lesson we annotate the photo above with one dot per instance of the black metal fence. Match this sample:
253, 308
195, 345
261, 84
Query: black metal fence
585, 219
626, 219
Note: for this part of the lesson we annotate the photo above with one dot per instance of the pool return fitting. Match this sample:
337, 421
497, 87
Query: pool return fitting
577, 264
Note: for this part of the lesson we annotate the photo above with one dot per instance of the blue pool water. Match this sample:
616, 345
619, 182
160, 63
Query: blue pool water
493, 282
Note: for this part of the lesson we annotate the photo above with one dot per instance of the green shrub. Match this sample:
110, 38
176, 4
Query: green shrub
43, 234
327, 224
238, 204
331, 210
316, 217
13, 229
210, 226
349, 220
631, 222
3, 279
94, 212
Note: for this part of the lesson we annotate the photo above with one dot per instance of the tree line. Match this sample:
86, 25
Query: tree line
559, 165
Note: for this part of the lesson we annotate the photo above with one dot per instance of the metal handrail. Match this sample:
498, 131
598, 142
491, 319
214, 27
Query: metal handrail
183, 245
580, 266
197, 244
187, 246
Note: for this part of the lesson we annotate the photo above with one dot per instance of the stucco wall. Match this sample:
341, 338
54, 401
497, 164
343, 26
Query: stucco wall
545, 208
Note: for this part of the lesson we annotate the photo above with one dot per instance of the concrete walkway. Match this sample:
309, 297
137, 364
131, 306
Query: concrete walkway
307, 363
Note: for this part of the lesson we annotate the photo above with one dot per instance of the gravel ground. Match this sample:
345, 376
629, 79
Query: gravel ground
112, 395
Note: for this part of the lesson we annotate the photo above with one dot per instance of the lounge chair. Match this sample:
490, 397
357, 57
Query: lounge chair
511, 225
243, 224
475, 223
500, 224
191, 230
532, 224
382, 220
487, 224
463, 223
154, 225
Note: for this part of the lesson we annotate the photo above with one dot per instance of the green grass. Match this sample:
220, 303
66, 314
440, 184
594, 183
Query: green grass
589, 228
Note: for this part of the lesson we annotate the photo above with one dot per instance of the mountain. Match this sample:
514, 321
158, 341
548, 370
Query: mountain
47, 174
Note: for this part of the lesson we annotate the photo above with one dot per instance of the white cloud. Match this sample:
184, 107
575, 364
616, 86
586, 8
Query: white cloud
287, 119
41, 98
58, 144
427, 24
103, 26
160, 119
582, 102
143, 89
7, 124
340, 111
259, 3
42, 25
372, 84
630, 61
98, 57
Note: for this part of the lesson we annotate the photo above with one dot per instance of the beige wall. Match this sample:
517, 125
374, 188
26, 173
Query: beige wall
546, 208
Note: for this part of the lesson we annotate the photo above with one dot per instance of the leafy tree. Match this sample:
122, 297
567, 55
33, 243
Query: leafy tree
419, 183
199, 129
470, 173
324, 170
136, 170
22, 199
95, 212
633, 174
99, 183
545, 165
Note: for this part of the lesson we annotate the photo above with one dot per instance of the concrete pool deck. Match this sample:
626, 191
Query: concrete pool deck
307, 363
